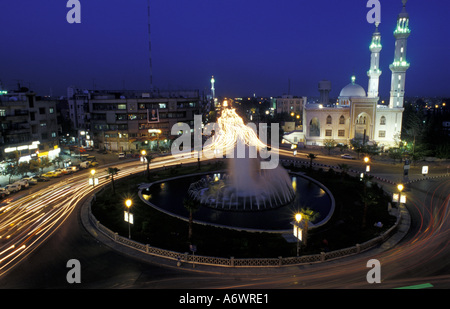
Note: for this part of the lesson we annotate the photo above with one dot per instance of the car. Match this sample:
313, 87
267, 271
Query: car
52, 174
39, 179
4, 192
121, 155
30, 180
347, 156
85, 164
64, 171
74, 168
93, 163
23, 183
13, 187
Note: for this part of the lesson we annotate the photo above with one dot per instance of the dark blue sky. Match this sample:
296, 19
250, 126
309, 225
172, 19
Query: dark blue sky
250, 46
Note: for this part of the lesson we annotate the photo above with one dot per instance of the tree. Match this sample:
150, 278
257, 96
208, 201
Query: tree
344, 169
192, 206
44, 162
57, 161
311, 157
308, 215
367, 197
148, 158
111, 172
329, 144
33, 166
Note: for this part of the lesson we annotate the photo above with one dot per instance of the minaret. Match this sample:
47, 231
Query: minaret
374, 72
400, 65
213, 90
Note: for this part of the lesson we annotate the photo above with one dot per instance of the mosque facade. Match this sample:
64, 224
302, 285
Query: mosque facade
358, 114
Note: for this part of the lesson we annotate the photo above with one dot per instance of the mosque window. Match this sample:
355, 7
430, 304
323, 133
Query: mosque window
342, 120
314, 127
341, 133
328, 132
329, 119
381, 133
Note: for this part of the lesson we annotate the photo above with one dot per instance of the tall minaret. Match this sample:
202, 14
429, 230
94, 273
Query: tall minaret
213, 90
400, 65
374, 72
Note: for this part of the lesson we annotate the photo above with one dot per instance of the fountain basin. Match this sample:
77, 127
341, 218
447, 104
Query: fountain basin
167, 196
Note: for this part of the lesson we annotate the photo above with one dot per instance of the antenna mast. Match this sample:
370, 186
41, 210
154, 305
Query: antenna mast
150, 47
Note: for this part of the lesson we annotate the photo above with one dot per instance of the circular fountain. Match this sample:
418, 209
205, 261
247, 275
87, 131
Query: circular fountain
245, 187
245, 196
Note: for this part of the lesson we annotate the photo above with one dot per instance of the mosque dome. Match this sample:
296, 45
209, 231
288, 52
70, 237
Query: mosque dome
353, 90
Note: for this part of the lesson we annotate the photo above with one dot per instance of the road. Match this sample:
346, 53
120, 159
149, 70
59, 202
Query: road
422, 257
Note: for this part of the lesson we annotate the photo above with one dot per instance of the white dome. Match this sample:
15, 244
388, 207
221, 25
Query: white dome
353, 90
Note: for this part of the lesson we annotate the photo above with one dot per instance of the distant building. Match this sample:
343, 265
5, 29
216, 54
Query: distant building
29, 125
130, 120
290, 104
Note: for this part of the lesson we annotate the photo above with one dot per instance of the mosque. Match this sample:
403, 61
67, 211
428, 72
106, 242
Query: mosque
358, 114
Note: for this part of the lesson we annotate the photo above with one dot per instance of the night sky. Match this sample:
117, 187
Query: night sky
250, 46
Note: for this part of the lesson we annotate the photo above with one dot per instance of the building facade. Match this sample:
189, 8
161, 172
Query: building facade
29, 125
128, 121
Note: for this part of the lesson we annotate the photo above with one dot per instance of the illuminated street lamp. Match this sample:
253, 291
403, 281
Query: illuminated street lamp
399, 197
128, 216
93, 178
298, 231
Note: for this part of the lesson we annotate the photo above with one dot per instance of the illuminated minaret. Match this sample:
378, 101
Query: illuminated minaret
213, 90
400, 65
374, 72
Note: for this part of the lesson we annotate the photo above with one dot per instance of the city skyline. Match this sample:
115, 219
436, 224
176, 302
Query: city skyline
259, 47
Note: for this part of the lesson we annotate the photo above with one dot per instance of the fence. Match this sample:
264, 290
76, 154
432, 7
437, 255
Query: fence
241, 262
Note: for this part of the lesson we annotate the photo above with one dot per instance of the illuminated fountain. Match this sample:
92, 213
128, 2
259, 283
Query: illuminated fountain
245, 186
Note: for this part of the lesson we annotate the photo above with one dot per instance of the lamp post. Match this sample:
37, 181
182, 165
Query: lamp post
93, 179
128, 203
366, 160
298, 231
400, 188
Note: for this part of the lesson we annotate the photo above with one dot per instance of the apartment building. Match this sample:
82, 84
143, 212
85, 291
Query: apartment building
123, 120
28, 124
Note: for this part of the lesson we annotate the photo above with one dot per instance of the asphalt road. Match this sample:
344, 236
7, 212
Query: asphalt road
422, 257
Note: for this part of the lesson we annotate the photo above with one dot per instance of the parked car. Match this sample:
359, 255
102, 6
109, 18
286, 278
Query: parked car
347, 156
64, 171
74, 168
52, 174
4, 192
23, 183
13, 187
85, 164
93, 163
30, 180
39, 178
121, 155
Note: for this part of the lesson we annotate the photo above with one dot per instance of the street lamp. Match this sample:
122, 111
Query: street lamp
128, 216
93, 179
400, 188
147, 158
298, 230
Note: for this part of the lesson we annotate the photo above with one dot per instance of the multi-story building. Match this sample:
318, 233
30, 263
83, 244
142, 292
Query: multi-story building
290, 104
28, 125
130, 120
